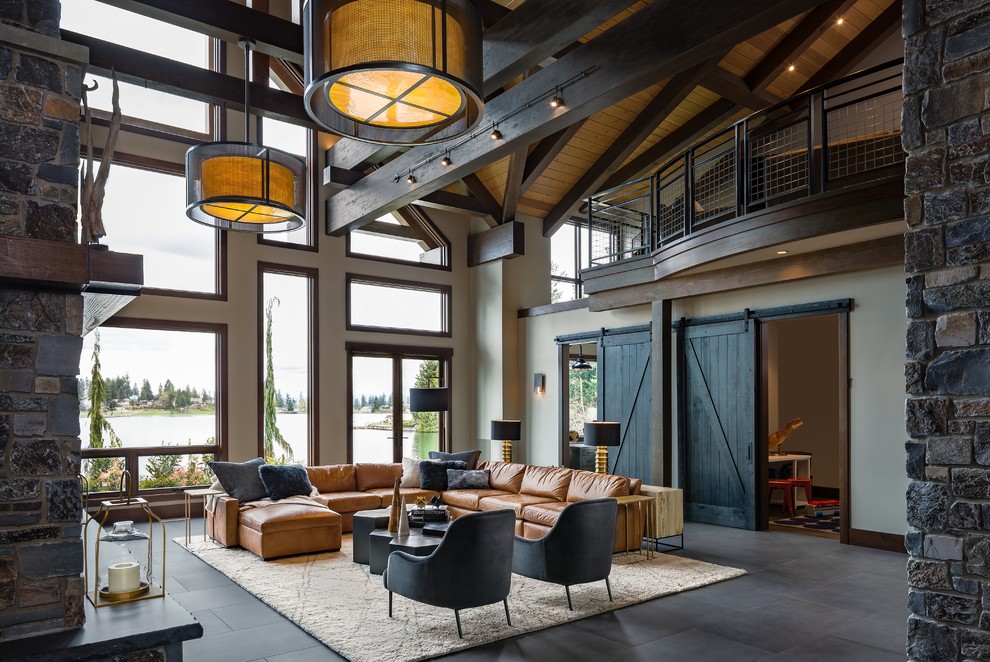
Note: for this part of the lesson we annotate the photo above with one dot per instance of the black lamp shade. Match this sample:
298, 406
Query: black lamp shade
429, 399
601, 433
507, 430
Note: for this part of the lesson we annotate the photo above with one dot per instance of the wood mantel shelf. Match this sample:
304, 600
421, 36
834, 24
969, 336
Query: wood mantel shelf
108, 280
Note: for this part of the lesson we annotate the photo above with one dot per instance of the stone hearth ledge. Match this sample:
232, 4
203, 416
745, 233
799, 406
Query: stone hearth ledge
113, 630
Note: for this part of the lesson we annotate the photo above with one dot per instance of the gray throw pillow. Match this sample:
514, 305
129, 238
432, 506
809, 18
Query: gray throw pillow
469, 457
241, 480
285, 481
433, 474
468, 480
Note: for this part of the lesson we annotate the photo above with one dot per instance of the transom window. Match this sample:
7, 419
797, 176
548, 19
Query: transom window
389, 305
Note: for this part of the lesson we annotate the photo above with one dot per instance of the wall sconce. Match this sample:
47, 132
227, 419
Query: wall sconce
539, 383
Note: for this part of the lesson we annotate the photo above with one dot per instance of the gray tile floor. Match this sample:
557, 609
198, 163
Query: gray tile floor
804, 598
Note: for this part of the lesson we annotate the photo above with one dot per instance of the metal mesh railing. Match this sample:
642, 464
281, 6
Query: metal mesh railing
836, 135
778, 163
864, 135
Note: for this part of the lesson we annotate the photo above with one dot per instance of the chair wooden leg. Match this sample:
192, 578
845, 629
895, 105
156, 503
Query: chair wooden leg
608, 587
390, 604
569, 605
505, 602
457, 617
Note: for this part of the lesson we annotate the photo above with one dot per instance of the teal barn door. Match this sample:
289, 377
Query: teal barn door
625, 388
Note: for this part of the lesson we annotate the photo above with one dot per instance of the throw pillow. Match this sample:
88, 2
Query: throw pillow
469, 457
241, 480
433, 474
285, 481
410, 472
467, 480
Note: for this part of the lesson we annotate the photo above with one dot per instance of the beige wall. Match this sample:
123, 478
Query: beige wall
876, 328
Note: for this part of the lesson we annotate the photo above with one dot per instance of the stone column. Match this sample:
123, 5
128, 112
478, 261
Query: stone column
41, 553
946, 132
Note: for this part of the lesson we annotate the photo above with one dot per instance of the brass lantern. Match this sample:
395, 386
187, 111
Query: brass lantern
400, 72
122, 573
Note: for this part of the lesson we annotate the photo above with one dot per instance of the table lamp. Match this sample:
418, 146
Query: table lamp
601, 434
507, 431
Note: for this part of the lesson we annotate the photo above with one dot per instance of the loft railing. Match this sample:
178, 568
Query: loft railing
841, 134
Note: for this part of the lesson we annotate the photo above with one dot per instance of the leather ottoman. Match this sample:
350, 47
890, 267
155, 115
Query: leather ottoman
286, 529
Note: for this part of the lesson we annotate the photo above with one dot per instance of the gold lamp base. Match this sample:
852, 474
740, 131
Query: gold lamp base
601, 460
506, 450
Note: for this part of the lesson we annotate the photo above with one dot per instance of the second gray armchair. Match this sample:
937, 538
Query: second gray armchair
577, 550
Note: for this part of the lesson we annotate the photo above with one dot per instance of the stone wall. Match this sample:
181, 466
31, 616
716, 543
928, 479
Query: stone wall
946, 131
41, 554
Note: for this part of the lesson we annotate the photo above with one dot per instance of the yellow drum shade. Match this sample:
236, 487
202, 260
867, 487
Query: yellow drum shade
243, 177
393, 71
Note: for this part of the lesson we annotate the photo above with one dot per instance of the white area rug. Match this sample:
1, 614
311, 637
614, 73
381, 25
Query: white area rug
344, 606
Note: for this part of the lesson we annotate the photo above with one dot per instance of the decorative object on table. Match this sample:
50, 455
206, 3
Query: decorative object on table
393, 515
601, 434
573, 551
508, 431
778, 438
420, 501
436, 501
93, 188
405, 72
403, 528
117, 577
244, 186
420, 516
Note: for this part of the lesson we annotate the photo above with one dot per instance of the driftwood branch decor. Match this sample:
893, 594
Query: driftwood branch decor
94, 188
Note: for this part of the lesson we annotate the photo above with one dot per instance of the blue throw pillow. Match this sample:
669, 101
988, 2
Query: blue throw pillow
285, 481
241, 480
433, 474
470, 457
468, 480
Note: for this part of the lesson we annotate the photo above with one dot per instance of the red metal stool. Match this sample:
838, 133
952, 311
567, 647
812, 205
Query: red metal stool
785, 485
805, 484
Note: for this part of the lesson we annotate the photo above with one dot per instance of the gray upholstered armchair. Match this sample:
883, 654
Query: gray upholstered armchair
577, 550
471, 567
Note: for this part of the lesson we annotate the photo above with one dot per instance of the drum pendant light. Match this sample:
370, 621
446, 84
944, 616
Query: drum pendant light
244, 186
402, 72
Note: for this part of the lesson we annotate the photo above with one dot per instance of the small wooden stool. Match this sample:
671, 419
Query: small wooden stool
786, 486
805, 484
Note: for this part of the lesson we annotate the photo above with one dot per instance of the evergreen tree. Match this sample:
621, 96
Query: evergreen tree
272, 434
146, 394
427, 377
290, 404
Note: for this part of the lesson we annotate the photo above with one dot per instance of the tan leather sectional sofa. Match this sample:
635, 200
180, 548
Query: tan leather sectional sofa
535, 494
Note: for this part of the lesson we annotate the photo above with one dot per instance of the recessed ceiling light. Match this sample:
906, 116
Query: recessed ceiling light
781, 252
791, 68
840, 21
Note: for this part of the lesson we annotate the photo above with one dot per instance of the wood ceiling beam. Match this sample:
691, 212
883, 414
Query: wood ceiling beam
513, 184
392, 230
545, 152
478, 189
659, 41
452, 202
673, 142
184, 80
733, 88
659, 109
794, 43
537, 30
226, 20
866, 41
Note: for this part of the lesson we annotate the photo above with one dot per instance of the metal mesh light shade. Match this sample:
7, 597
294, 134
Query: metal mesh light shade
511, 430
245, 187
393, 71
429, 399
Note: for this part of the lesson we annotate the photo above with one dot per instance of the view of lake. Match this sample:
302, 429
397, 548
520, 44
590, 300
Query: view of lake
370, 445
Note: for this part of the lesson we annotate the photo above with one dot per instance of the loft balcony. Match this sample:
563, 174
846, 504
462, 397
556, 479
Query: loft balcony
825, 162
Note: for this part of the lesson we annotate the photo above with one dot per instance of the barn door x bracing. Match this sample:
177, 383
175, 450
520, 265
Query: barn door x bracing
717, 421
626, 387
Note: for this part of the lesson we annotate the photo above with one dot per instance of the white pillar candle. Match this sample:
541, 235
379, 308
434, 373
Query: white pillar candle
123, 577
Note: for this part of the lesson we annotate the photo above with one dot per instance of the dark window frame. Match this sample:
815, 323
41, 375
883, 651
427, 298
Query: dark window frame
446, 291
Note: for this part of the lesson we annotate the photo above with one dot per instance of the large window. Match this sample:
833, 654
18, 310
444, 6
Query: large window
381, 427
144, 212
148, 35
151, 402
568, 255
391, 240
288, 413
382, 304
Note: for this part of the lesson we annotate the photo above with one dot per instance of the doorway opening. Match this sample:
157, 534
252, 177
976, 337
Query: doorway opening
804, 416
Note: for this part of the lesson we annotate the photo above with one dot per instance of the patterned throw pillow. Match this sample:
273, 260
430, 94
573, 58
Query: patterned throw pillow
468, 480
433, 474
285, 481
241, 480
470, 457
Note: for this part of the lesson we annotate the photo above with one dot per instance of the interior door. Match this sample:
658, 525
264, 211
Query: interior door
626, 388
717, 422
